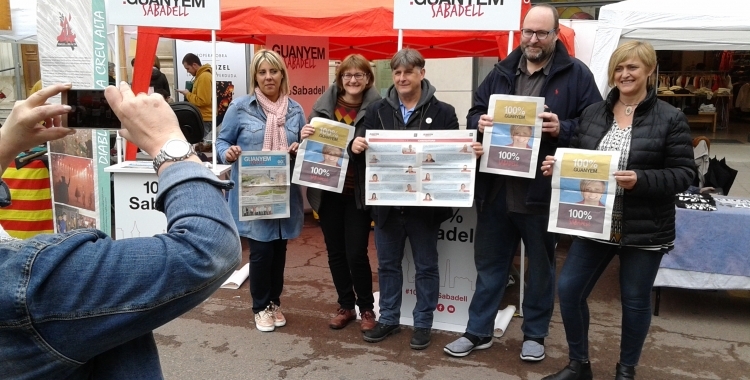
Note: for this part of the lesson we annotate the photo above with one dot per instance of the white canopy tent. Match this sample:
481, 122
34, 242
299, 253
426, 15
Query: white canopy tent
23, 20
669, 25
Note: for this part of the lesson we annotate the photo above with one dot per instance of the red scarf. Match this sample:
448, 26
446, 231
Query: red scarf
275, 136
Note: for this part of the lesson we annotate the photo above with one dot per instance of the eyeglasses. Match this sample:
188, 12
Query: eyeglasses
540, 34
357, 76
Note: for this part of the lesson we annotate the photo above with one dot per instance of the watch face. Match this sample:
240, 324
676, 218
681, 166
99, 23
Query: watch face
176, 148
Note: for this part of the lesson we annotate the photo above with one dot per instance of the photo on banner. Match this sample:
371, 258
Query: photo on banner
322, 159
583, 192
420, 168
264, 185
511, 144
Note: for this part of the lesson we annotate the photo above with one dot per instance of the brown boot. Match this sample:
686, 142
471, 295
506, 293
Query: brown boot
368, 320
342, 319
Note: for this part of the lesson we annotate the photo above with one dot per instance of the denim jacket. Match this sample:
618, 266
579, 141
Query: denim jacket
72, 302
245, 125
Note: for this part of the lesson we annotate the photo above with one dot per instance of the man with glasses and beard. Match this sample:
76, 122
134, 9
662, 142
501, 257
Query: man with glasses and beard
511, 209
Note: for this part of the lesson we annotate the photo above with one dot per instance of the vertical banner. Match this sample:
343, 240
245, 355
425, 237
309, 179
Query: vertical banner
231, 69
72, 38
306, 59
583, 192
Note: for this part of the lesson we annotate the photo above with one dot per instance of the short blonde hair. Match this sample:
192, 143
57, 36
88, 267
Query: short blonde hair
514, 129
588, 182
641, 50
273, 59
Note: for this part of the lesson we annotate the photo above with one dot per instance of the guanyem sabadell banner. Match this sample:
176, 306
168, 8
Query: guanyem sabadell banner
231, 69
457, 15
511, 144
420, 168
583, 192
457, 277
189, 14
306, 59
264, 185
72, 39
322, 159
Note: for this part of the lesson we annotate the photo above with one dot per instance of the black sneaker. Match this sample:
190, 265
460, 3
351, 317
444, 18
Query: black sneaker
380, 332
421, 338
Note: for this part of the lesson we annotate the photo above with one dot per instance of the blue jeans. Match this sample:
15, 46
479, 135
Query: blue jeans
267, 262
497, 237
80, 305
390, 241
584, 265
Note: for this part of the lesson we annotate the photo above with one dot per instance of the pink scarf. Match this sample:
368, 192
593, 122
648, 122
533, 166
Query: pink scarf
275, 137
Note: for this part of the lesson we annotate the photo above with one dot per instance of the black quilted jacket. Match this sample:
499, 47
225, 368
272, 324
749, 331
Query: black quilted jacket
661, 154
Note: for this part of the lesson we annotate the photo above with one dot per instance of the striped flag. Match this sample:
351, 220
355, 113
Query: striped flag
30, 213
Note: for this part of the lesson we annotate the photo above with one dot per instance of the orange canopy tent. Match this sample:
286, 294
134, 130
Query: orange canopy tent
351, 26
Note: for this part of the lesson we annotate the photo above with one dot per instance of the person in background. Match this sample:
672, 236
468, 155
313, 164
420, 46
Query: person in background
410, 105
158, 80
80, 305
656, 162
265, 120
344, 218
111, 73
511, 209
200, 95
36, 87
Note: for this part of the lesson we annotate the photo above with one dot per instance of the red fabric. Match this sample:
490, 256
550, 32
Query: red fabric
144, 53
352, 27
26, 218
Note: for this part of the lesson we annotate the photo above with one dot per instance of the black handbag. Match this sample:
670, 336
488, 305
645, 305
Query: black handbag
190, 119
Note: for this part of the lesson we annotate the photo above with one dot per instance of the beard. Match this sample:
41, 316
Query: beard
544, 52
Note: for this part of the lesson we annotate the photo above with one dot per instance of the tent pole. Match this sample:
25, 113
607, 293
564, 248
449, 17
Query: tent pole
118, 78
400, 39
17, 70
213, 97
510, 44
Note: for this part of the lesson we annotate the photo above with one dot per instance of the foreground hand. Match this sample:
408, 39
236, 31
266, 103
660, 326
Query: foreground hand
23, 128
484, 122
306, 131
478, 150
626, 179
147, 120
547, 165
359, 145
232, 154
551, 123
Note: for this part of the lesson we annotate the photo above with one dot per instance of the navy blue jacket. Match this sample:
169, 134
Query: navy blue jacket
568, 90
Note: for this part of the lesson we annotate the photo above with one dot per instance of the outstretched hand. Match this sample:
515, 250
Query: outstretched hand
33, 122
147, 120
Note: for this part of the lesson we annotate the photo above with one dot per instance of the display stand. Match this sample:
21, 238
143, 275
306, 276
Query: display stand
136, 185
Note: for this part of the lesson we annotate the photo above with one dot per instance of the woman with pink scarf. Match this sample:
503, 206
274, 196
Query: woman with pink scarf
265, 120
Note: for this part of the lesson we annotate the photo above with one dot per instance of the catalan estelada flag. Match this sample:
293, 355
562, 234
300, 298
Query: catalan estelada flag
30, 213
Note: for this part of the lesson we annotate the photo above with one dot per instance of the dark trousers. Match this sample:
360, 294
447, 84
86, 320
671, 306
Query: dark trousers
346, 230
584, 265
267, 261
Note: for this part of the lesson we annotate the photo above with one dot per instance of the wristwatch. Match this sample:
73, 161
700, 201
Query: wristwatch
173, 150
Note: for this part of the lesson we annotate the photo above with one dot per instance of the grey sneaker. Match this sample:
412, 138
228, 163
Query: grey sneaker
463, 346
532, 351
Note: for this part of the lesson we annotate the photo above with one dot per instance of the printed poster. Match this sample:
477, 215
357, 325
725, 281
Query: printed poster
73, 48
420, 168
322, 158
264, 185
511, 145
583, 192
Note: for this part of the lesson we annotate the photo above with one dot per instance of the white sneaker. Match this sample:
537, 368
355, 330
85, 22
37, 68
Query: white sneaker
278, 317
264, 320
